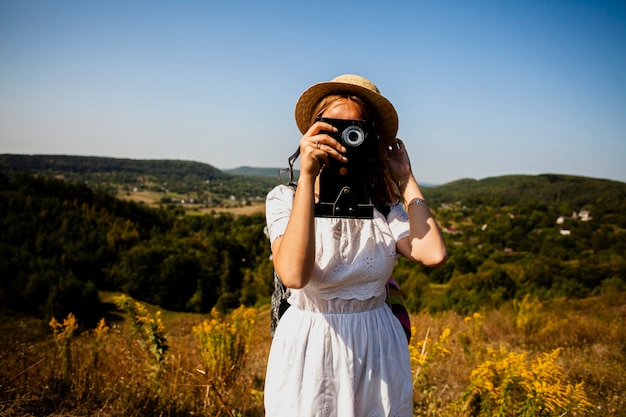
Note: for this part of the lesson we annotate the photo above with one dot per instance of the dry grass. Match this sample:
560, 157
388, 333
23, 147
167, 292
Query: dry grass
253, 208
112, 373
153, 199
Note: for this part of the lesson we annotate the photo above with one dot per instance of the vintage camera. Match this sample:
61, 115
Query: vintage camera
344, 187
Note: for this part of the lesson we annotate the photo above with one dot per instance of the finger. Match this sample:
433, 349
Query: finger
319, 126
317, 152
332, 142
320, 132
395, 145
332, 152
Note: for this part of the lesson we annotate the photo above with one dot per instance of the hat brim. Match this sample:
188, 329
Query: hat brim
387, 115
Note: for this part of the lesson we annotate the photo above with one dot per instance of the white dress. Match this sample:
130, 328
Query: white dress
338, 350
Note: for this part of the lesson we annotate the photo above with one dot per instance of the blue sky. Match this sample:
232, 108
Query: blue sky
482, 88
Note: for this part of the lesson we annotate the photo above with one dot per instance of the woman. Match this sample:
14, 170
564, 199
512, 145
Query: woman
339, 351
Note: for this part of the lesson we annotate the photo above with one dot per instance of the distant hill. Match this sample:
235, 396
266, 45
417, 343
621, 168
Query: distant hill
200, 181
209, 184
69, 165
256, 172
522, 189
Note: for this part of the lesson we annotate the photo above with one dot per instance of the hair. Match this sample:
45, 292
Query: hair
326, 102
385, 191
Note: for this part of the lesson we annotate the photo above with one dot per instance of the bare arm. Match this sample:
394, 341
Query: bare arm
294, 251
425, 243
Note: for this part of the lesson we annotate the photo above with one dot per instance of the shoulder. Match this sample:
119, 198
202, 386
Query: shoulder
282, 193
397, 212
279, 202
278, 207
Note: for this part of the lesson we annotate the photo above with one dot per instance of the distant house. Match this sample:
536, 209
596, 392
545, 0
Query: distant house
583, 216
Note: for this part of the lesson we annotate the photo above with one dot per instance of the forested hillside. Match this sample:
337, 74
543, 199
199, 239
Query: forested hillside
547, 235
63, 241
60, 243
173, 180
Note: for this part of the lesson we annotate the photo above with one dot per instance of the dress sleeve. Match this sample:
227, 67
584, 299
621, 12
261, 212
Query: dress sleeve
398, 220
277, 210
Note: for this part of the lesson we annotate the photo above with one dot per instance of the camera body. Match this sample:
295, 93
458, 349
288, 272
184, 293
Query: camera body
344, 187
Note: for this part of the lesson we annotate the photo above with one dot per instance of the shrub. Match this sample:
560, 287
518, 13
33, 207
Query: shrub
224, 346
508, 385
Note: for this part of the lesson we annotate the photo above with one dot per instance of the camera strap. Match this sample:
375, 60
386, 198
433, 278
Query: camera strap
290, 161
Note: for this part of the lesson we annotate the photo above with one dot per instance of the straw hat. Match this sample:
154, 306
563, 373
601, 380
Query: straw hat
353, 85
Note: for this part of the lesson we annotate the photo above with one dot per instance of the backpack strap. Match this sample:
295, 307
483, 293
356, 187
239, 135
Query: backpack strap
279, 302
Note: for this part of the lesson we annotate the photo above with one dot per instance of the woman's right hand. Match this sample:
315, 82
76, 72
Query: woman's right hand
295, 264
316, 149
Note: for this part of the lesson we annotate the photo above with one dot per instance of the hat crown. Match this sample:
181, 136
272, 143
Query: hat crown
356, 80
349, 84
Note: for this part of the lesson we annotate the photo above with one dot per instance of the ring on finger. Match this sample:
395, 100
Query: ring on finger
317, 145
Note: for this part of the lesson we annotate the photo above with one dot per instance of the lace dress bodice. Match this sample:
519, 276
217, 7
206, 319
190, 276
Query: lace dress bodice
354, 257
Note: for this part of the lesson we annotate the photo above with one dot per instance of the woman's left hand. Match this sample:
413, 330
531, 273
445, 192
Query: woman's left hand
398, 161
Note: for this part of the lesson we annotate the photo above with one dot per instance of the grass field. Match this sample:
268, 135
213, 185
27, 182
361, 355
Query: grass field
254, 208
564, 357
153, 199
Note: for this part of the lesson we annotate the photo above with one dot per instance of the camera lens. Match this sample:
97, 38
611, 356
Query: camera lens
353, 136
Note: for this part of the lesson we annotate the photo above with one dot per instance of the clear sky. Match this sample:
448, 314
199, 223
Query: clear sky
482, 88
